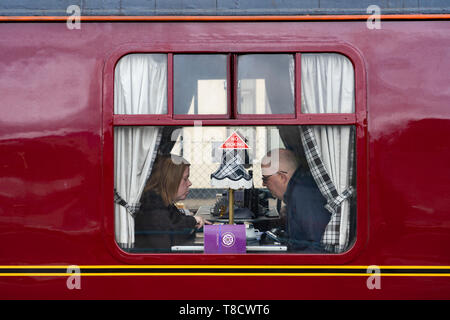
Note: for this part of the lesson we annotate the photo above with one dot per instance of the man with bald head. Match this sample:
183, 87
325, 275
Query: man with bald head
306, 216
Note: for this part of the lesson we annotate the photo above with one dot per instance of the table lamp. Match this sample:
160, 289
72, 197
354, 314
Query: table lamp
231, 175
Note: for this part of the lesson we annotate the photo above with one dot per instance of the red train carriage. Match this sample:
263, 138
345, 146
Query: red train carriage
83, 111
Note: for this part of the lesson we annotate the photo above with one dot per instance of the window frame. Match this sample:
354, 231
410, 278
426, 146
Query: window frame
357, 119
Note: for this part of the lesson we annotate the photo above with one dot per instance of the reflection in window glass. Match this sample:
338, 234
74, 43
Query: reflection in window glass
163, 177
266, 84
200, 84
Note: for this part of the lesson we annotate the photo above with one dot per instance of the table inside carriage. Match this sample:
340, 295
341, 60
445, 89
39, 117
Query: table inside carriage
257, 231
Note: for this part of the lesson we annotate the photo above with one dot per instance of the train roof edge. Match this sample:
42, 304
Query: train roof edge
220, 7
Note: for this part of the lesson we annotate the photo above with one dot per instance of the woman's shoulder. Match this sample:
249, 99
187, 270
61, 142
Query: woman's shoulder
151, 198
152, 211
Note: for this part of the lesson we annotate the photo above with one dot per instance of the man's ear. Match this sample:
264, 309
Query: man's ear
284, 178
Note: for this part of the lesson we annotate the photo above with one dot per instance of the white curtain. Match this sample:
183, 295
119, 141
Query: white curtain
328, 87
140, 84
292, 77
327, 83
140, 87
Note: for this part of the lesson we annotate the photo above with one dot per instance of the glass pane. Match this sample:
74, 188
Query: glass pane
165, 172
140, 84
200, 84
327, 83
266, 84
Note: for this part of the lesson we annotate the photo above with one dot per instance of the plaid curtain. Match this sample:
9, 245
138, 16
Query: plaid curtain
328, 87
332, 239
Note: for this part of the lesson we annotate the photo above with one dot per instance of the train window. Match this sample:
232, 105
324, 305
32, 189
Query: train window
266, 84
200, 84
301, 199
140, 84
172, 175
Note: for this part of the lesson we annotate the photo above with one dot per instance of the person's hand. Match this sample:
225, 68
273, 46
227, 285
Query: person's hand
283, 211
201, 222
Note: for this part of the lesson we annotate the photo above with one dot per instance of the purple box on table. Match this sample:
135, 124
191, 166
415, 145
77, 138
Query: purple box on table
227, 238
